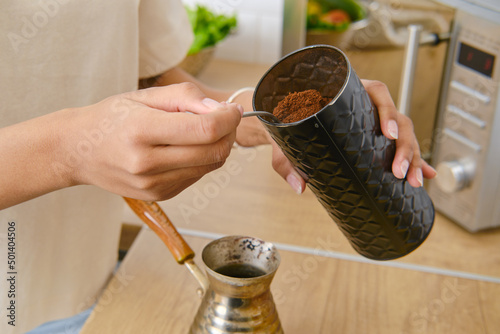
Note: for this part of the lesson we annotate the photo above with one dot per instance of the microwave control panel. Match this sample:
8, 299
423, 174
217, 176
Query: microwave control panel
466, 151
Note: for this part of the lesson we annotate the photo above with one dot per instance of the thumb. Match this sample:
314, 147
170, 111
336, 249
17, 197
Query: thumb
183, 97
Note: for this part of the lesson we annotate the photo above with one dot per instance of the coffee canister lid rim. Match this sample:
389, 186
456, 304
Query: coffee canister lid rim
304, 49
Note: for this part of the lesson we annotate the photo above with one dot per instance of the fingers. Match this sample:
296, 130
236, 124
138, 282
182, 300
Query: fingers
379, 93
176, 98
406, 145
177, 115
191, 144
160, 172
284, 167
156, 142
157, 127
158, 187
413, 164
428, 171
407, 160
164, 158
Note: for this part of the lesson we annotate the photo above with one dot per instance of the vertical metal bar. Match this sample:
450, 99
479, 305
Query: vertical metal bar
408, 74
294, 25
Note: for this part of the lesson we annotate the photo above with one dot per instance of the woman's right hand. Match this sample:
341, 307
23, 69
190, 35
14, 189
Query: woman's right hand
149, 144
152, 144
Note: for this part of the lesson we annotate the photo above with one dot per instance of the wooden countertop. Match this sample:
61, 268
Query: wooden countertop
451, 284
151, 293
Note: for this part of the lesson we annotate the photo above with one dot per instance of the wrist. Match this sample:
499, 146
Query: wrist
33, 149
65, 159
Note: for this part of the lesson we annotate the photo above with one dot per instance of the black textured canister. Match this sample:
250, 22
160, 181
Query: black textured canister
344, 155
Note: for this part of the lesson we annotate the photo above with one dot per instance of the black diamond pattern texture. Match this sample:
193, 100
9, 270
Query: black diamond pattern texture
344, 155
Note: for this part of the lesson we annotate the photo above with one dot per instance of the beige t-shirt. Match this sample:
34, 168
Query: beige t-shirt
67, 53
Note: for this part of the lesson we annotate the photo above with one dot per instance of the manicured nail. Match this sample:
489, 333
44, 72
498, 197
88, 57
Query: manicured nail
211, 104
434, 171
392, 127
240, 108
294, 182
404, 168
419, 176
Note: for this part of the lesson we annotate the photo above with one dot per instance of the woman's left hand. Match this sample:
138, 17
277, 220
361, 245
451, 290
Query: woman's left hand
407, 160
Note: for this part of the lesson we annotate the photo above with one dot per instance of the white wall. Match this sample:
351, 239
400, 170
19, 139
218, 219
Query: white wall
258, 37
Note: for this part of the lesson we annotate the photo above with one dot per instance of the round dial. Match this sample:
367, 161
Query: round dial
454, 176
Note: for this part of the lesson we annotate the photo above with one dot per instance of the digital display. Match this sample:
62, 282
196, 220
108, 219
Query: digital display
475, 59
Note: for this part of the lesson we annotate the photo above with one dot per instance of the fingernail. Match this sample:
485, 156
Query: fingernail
434, 170
420, 176
294, 182
404, 168
211, 104
392, 127
240, 108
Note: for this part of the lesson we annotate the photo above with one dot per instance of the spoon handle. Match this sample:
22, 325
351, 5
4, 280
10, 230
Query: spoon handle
262, 114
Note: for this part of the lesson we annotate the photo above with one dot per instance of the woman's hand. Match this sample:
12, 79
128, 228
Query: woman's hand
164, 139
149, 144
407, 160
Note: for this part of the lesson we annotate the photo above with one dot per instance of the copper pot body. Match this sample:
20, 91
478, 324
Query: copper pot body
240, 300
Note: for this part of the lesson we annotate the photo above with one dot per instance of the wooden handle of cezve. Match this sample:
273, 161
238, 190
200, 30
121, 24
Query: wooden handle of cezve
153, 215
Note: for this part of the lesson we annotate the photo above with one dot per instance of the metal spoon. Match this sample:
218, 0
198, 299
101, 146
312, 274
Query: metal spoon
262, 114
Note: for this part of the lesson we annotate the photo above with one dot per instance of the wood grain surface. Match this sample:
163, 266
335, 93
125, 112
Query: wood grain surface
247, 197
151, 293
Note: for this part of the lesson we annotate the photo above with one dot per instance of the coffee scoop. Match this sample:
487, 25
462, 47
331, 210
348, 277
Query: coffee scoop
263, 114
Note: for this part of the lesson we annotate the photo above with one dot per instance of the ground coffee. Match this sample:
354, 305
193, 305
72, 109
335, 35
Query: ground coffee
299, 105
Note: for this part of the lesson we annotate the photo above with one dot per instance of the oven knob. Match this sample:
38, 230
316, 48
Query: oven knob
454, 176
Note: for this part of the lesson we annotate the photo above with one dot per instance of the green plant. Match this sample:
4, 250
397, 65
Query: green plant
208, 27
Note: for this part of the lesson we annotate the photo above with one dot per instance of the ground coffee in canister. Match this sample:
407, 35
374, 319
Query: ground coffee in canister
299, 105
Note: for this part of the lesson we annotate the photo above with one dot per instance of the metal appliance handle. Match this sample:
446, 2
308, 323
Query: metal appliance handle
408, 74
410, 62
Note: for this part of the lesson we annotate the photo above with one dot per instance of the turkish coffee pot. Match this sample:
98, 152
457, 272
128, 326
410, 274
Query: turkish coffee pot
236, 296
